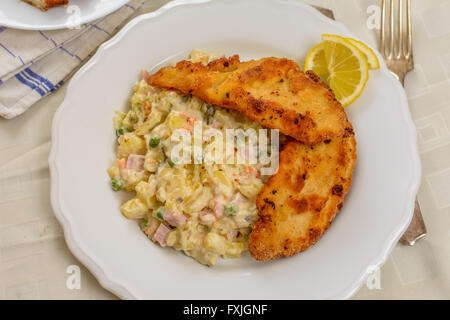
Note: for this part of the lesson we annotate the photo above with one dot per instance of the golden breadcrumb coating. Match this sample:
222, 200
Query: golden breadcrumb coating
271, 91
299, 202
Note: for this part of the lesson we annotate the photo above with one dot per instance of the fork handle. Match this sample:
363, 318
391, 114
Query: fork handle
416, 229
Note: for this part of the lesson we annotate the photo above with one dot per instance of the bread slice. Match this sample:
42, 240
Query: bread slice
47, 4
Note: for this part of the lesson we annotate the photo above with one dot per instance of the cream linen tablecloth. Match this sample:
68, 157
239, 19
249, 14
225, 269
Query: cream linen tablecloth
34, 258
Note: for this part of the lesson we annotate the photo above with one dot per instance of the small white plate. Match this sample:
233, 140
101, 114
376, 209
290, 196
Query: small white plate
20, 15
376, 211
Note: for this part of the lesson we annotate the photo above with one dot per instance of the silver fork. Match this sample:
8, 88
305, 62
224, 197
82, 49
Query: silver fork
398, 56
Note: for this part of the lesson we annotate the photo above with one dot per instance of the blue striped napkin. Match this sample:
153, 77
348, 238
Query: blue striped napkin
33, 64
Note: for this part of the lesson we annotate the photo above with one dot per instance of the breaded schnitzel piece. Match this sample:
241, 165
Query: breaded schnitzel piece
271, 91
299, 202
47, 4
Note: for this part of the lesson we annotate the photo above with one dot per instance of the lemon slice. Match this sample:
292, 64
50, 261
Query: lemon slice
317, 62
372, 58
341, 65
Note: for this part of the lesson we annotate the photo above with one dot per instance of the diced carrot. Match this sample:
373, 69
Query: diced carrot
121, 163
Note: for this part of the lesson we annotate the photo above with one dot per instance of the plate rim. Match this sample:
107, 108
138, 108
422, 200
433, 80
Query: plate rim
121, 291
32, 27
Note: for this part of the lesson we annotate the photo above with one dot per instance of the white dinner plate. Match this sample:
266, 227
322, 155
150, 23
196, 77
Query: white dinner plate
20, 15
376, 211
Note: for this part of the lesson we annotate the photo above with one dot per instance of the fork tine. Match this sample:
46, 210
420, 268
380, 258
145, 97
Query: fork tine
400, 30
391, 30
408, 30
382, 29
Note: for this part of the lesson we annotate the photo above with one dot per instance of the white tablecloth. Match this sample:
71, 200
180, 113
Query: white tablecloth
34, 258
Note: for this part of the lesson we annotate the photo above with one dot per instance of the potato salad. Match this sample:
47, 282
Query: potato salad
204, 209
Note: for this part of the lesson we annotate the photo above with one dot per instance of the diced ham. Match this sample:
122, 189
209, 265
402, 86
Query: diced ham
161, 234
174, 218
218, 207
207, 217
232, 235
238, 198
135, 162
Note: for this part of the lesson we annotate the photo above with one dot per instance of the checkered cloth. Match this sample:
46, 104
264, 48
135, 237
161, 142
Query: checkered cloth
33, 64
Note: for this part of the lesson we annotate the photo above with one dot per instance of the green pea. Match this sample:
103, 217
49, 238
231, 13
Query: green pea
117, 184
121, 131
171, 162
144, 224
159, 214
231, 209
154, 142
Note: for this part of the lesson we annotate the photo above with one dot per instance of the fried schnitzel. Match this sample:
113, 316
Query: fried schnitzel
299, 202
271, 91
